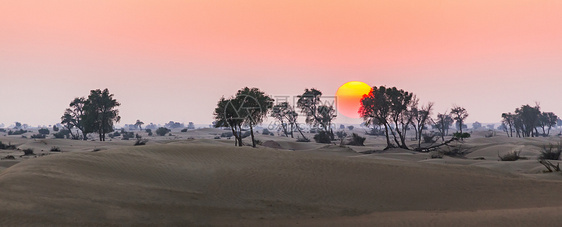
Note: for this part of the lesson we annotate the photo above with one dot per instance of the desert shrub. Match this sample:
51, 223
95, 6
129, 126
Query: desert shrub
266, 131
2, 130
226, 134
116, 134
17, 132
184, 130
551, 152
490, 134
148, 130
55, 149
511, 156
464, 135
62, 134
217, 137
322, 137
137, 136
429, 138
150, 134
246, 134
38, 136
357, 140
9, 157
436, 154
128, 135
350, 128
44, 131
302, 139
28, 151
140, 142
7, 146
162, 131
55, 128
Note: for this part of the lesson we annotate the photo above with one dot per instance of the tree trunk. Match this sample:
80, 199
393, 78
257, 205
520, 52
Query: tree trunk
388, 144
252, 134
235, 135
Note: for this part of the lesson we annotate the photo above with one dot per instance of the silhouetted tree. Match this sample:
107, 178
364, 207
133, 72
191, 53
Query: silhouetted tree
316, 113
73, 118
227, 115
444, 122
256, 105
508, 120
279, 112
459, 114
100, 112
547, 120
375, 110
422, 116
139, 124
528, 120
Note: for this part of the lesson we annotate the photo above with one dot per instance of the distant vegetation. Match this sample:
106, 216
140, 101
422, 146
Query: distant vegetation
527, 120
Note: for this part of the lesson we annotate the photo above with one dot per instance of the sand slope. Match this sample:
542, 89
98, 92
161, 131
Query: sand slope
208, 182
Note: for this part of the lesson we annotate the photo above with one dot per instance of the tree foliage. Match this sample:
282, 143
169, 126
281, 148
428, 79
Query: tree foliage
100, 113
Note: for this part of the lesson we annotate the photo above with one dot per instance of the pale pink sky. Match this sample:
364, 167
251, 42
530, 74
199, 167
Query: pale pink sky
172, 60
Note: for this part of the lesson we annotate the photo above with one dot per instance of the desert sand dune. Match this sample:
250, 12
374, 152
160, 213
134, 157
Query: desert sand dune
211, 182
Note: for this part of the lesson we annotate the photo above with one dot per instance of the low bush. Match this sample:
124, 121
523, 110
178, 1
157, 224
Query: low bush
28, 151
184, 130
357, 140
266, 132
511, 156
17, 132
162, 131
429, 138
2, 130
322, 137
38, 136
140, 142
246, 134
7, 146
551, 152
217, 137
464, 135
44, 131
55, 149
226, 134
302, 139
62, 134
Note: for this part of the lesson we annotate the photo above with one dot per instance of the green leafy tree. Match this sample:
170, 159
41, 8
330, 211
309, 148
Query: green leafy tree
100, 113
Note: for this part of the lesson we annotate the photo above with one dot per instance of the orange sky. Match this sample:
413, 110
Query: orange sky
187, 54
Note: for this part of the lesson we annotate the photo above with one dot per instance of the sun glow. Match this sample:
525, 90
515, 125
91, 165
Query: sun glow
349, 97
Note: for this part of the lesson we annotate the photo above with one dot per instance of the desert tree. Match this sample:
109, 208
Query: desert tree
139, 124
391, 108
315, 112
508, 120
528, 118
279, 112
547, 120
422, 116
443, 123
255, 105
459, 114
401, 104
73, 118
375, 110
226, 116
100, 113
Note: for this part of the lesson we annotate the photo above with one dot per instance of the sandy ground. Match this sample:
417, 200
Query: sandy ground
192, 179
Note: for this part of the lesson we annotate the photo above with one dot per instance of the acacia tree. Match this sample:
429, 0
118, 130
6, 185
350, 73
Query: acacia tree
508, 119
139, 124
256, 104
529, 120
279, 112
444, 121
316, 113
391, 108
375, 110
100, 112
421, 117
547, 120
73, 118
226, 116
459, 114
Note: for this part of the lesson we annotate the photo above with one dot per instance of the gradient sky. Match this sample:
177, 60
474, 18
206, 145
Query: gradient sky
173, 60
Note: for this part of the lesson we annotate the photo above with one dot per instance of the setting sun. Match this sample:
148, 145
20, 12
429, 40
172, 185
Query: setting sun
349, 97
